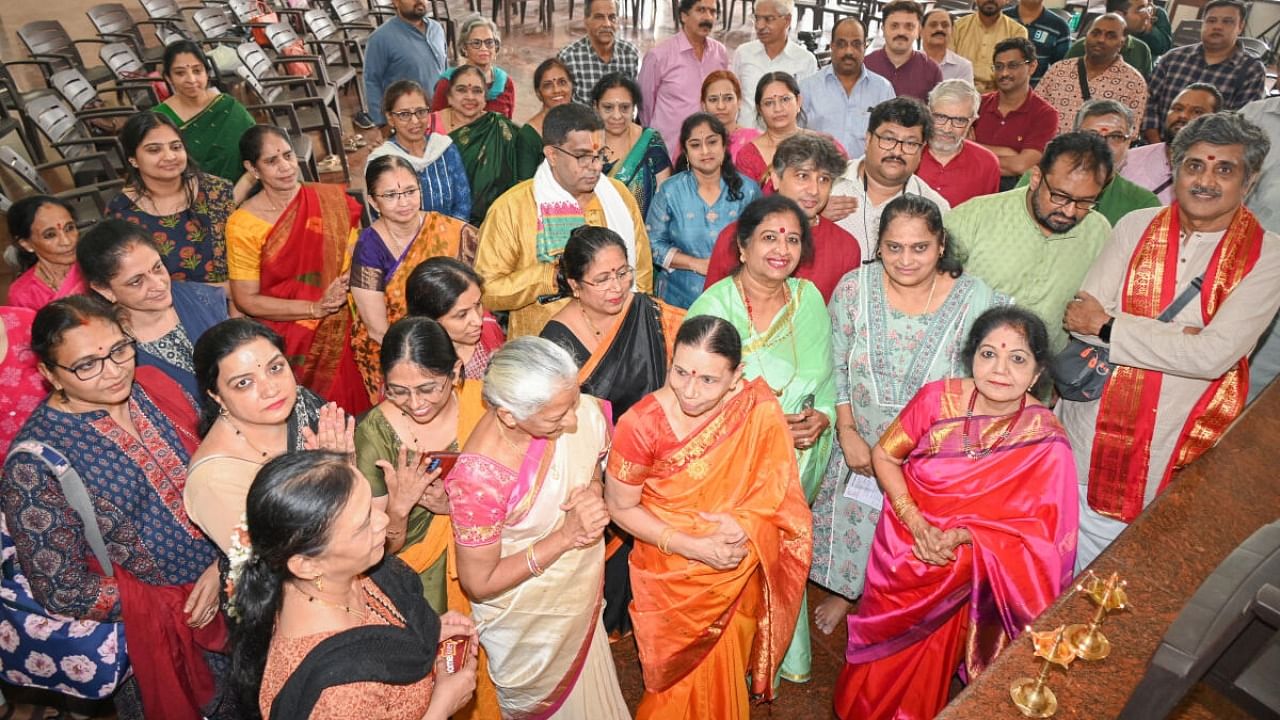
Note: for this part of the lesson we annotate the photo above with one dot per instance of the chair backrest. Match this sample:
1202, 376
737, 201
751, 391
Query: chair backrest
256, 62
122, 61
268, 94
112, 20
1188, 33
349, 11
320, 24
214, 22
56, 121
5, 202
244, 10
23, 169
74, 88
1256, 47
48, 37
281, 36
161, 9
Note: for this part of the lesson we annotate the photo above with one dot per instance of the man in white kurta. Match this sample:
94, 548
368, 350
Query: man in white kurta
1216, 158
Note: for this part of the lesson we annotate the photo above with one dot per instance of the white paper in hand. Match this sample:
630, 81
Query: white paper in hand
863, 489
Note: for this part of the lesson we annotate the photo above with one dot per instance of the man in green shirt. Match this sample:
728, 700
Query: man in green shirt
1113, 122
1035, 244
1137, 15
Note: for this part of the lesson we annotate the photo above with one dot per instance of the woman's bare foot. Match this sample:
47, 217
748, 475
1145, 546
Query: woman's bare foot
830, 613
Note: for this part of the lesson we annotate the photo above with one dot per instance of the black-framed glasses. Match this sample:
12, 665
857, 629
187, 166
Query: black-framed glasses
487, 43
622, 276
909, 147
1061, 199
957, 122
426, 392
394, 196
407, 115
1001, 67
1115, 138
587, 160
91, 367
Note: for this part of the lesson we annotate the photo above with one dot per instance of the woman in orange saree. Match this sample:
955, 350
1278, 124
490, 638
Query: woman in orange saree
289, 245
703, 474
978, 531
387, 252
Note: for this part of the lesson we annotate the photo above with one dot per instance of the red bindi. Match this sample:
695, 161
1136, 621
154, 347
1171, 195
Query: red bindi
1212, 158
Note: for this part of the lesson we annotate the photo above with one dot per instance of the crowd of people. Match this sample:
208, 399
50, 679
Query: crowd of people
709, 327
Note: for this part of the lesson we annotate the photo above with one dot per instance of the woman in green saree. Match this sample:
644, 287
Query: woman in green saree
637, 155
486, 139
786, 341
553, 84
211, 122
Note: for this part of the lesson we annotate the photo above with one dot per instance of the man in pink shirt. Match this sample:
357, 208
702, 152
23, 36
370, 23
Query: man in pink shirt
672, 72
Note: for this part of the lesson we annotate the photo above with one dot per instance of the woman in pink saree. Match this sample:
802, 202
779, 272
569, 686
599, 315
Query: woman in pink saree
978, 532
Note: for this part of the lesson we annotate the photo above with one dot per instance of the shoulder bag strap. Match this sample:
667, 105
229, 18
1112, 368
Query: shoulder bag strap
1175, 307
1083, 76
76, 494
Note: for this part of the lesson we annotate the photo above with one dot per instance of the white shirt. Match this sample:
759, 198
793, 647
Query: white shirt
864, 223
956, 67
750, 62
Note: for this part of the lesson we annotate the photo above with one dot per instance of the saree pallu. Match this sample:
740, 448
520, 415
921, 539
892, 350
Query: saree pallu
491, 339
1019, 505
629, 363
547, 652
440, 235
212, 136
1120, 462
794, 358
639, 169
488, 147
307, 249
741, 462
29, 291
199, 307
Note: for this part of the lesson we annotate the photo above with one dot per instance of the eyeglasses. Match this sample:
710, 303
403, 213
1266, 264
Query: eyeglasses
1001, 67
427, 392
623, 277
1061, 199
487, 43
1114, 138
909, 147
957, 122
91, 367
407, 115
394, 196
770, 103
589, 159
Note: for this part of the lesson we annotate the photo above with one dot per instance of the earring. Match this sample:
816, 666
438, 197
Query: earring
319, 583
222, 412
62, 395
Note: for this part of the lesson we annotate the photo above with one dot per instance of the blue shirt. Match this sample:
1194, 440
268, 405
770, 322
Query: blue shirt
1050, 34
400, 51
679, 219
828, 109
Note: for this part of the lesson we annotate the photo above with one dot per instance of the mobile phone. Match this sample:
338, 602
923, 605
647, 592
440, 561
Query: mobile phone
442, 461
807, 404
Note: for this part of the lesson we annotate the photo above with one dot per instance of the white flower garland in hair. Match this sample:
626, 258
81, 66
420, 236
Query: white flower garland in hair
238, 554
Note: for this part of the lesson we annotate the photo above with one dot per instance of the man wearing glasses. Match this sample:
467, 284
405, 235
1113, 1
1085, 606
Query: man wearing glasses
1014, 122
771, 51
956, 167
526, 228
1116, 124
1175, 386
1036, 244
409, 46
896, 136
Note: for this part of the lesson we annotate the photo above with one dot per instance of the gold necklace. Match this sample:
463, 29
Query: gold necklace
244, 437
337, 606
47, 276
590, 325
502, 431
401, 243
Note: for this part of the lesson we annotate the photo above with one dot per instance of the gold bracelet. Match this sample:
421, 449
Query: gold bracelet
665, 539
901, 504
532, 562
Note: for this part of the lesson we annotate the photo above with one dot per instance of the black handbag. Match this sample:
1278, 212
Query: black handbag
1080, 372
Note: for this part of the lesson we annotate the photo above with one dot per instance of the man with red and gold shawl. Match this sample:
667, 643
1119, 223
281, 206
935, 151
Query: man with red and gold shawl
1176, 386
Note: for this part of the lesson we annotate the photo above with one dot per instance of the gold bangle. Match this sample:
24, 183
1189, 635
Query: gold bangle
901, 504
532, 562
665, 539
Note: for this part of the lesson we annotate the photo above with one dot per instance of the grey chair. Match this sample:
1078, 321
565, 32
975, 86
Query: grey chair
47, 40
89, 202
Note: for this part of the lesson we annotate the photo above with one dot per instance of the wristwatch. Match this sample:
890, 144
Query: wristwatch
1104, 333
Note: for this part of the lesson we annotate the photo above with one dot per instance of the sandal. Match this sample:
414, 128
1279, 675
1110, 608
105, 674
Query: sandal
350, 145
331, 164
358, 139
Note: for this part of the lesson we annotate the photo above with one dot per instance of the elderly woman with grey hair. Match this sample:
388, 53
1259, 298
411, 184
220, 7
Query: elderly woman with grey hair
1115, 123
1175, 386
528, 516
478, 45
